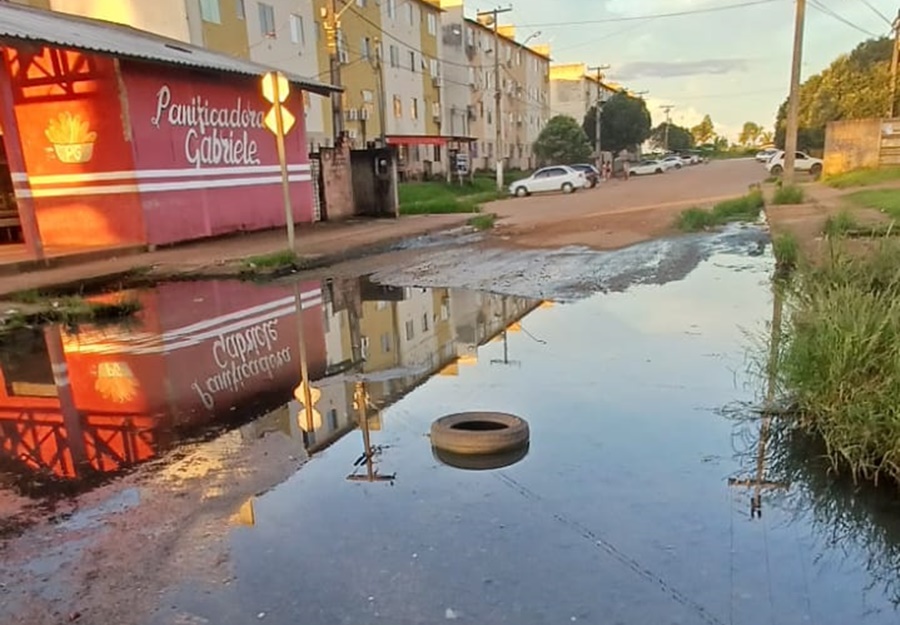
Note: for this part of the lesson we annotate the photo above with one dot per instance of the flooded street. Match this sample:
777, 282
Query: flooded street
162, 472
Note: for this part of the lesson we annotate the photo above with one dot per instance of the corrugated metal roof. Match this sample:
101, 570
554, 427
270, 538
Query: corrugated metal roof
19, 23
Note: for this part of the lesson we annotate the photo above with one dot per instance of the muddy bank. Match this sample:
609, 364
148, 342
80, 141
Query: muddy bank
566, 274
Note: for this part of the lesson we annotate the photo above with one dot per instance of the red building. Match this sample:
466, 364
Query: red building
117, 137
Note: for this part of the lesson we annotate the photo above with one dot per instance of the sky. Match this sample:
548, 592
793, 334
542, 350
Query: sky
732, 64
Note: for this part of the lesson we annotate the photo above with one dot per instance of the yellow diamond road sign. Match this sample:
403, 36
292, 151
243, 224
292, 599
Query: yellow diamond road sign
287, 119
268, 86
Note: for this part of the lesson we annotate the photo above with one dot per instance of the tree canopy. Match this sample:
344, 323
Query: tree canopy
751, 134
562, 142
679, 138
624, 123
705, 131
854, 86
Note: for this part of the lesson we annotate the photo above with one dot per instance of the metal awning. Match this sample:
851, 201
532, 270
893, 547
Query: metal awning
24, 24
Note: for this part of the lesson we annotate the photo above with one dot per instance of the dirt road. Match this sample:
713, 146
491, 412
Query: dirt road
618, 213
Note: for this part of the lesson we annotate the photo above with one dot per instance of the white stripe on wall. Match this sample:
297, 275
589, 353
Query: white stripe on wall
153, 187
149, 174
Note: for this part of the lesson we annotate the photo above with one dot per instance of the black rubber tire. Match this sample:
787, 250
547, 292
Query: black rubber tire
777, 170
479, 433
658, 171
816, 171
521, 192
568, 188
484, 462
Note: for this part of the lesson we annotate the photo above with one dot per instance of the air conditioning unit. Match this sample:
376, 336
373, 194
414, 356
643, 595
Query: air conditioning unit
437, 81
351, 133
364, 114
352, 114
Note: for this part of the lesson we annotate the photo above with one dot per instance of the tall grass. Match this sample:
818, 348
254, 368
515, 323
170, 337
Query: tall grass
744, 208
422, 198
863, 178
841, 364
789, 194
786, 249
840, 224
884, 200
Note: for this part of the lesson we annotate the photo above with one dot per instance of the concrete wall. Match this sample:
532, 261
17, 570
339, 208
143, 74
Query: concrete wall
852, 144
337, 182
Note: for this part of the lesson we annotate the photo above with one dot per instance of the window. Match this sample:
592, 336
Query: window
364, 347
392, 8
267, 20
414, 110
398, 107
333, 419
412, 60
239, 9
425, 322
386, 343
297, 34
470, 37
395, 56
435, 67
361, 3
432, 24
437, 159
366, 48
209, 11
367, 96
412, 13
410, 330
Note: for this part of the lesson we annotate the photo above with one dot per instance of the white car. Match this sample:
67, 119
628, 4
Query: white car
763, 156
802, 162
645, 168
556, 178
673, 160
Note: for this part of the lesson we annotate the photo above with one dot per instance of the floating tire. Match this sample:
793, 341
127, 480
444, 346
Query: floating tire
479, 433
480, 462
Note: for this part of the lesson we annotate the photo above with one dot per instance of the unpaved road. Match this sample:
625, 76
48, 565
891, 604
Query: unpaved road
618, 213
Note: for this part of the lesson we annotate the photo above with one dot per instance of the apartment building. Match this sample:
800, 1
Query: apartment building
282, 34
216, 24
574, 90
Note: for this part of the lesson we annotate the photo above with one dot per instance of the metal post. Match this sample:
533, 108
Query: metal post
282, 160
598, 112
793, 117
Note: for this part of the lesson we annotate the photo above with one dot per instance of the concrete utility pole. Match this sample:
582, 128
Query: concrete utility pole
793, 116
895, 57
382, 101
598, 111
668, 109
498, 96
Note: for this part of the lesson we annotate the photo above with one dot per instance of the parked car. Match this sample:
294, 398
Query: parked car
673, 161
557, 178
591, 173
648, 167
802, 162
763, 156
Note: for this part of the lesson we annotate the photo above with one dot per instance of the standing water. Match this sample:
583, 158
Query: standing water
636, 503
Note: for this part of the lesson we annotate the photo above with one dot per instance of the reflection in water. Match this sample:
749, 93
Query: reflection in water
311, 361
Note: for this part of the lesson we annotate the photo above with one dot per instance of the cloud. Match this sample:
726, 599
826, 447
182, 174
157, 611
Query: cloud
670, 69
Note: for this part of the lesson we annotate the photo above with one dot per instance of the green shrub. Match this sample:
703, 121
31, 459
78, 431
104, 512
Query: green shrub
483, 222
786, 249
744, 208
695, 220
789, 194
840, 224
282, 258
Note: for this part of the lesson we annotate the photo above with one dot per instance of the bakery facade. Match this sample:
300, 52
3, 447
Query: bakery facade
114, 137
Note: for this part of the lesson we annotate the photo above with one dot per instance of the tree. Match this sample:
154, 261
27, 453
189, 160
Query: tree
750, 134
562, 141
624, 123
705, 131
854, 86
679, 138
766, 137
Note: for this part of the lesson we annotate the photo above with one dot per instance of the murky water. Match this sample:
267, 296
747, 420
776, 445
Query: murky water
635, 503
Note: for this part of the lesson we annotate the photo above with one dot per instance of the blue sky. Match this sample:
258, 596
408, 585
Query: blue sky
732, 64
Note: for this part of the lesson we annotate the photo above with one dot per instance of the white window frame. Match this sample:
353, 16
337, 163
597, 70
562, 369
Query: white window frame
392, 8
394, 56
266, 10
298, 34
210, 11
241, 9
432, 24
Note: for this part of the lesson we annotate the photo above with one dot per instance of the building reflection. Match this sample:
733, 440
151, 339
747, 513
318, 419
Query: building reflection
88, 403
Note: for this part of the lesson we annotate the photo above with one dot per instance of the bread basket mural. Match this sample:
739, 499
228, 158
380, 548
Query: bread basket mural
71, 138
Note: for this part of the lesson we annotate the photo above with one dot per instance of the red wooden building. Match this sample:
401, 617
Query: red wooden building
118, 137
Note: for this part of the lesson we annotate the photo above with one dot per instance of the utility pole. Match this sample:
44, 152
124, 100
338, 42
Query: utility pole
668, 109
793, 117
498, 96
332, 25
894, 60
598, 111
382, 101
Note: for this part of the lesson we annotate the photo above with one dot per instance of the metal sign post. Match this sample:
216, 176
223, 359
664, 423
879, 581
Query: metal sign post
275, 88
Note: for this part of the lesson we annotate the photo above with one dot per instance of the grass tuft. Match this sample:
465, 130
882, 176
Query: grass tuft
438, 198
789, 194
863, 178
884, 200
787, 253
744, 208
275, 260
483, 222
840, 224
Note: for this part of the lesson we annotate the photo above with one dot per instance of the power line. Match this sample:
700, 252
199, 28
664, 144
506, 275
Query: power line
828, 11
877, 12
632, 18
